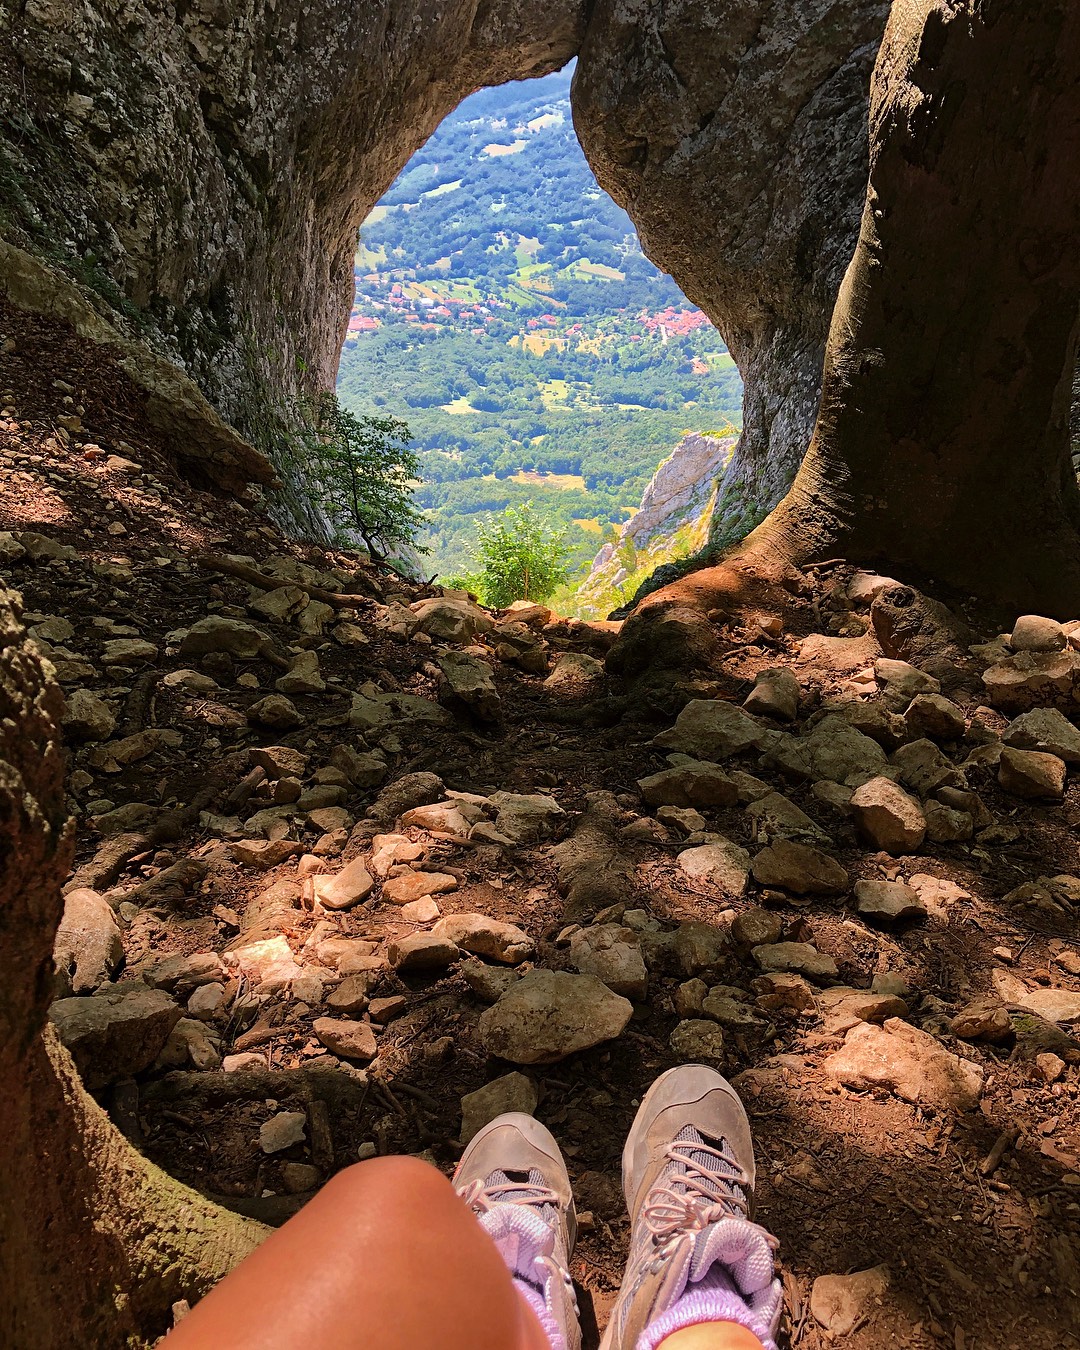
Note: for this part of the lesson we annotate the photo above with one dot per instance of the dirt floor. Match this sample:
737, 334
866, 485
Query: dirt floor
982, 1245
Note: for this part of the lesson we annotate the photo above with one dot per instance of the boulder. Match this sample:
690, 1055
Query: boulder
936, 716
279, 761
888, 902
799, 868
684, 819
839, 752
774, 816
946, 826
279, 605
888, 817
1035, 633
267, 963
512, 1092
413, 886
115, 1033
263, 853
574, 668
351, 995
303, 676
798, 958
908, 1062
1030, 679
350, 1040
984, 1020
451, 619
449, 817
128, 652
698, 947
924, 768
526, 817
550, 1014
274, 711
712, 730
481, 936
470, 681
218, 634
613, 954
1031, 773
756, 927
689, 784
422, 951
88, 718
775, 694
719, 862
1046, 730
88, 948
783, 991
345, 888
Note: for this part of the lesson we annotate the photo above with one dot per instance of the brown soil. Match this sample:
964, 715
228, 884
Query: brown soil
846, 1180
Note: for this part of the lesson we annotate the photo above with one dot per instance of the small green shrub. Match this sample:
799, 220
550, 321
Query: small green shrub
520, 558
360, 471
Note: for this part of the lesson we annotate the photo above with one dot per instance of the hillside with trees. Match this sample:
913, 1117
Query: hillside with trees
505, 310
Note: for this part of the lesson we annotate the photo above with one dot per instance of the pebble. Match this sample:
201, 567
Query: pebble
350, 1040
697, 1041
282, 1131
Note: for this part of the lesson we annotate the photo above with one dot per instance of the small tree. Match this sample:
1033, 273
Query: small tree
365, 473
520, 557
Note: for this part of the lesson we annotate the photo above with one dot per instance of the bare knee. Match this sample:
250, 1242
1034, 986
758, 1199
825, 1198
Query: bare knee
398, 1181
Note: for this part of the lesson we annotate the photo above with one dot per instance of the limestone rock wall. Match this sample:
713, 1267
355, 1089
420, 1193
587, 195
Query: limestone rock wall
672, 522
205, 165
734, 133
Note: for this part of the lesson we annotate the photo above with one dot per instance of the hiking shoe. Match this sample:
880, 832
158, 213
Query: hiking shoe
513, 1177
695, 1253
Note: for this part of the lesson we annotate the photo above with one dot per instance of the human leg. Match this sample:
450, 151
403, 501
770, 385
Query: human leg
697, 1260
712, 1336
385, 1255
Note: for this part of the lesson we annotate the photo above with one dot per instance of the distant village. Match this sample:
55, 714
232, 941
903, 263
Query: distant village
380, 301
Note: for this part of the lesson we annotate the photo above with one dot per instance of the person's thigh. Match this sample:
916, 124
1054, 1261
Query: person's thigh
385, 1257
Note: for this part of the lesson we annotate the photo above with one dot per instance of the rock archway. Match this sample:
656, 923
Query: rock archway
205, 170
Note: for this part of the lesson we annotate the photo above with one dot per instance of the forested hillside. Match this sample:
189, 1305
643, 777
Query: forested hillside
506, 311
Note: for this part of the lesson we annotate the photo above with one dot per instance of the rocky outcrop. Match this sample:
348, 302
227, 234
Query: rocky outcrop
968, 250
203, 169
203, 172
735, 135
672, 521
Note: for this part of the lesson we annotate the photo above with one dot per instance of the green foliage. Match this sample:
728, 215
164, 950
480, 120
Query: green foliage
520, 557
361, 472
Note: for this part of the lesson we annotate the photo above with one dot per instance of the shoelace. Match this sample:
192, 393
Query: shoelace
700, 1194
480, 1195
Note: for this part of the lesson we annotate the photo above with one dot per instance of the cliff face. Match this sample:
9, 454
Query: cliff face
671, 523
734, 134
203, 167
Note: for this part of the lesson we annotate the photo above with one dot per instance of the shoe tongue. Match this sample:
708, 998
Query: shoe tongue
523, 1233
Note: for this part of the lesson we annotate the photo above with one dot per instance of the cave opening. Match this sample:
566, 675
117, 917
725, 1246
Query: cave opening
505, 309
